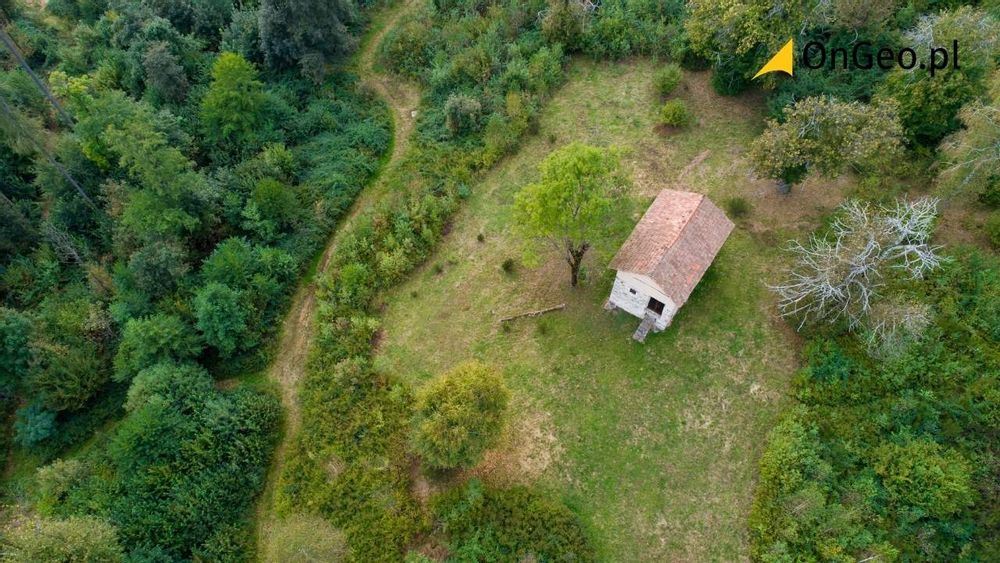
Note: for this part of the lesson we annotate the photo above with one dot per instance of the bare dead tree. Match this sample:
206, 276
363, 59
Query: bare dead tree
893, 325
62, 243
840, 277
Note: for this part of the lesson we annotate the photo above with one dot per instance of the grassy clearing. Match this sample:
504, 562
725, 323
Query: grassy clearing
655, 445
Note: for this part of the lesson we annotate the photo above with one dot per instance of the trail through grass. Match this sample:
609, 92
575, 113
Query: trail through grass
288, 367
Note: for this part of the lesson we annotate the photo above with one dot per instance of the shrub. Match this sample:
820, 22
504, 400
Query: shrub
508, 265
404, 49
223, 315
462, 113
925, 475
737, 207
15, 329
459, 415
56, 480
515, 524
993, 229
150, 340
563, 23
675, 114
991, 193
667, 79
164, 380
78, 539
33, 424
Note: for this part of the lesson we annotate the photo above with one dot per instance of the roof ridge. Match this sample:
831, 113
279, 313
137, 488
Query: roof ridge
687, 221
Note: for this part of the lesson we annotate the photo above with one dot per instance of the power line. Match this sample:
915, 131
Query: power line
8, 42
7, 110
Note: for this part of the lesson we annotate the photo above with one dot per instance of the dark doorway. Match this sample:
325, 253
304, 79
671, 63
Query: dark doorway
655, 306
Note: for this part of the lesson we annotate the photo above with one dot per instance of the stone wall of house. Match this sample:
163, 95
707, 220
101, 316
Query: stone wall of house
622, 297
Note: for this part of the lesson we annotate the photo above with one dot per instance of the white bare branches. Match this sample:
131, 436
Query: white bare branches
893, 326
841, 278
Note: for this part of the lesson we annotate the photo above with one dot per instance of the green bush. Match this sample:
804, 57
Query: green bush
462, 113
15, 329
991, 194
993, 229
34, 423
405, 47
223, 318
926, 476
459, 415
150, 340
675, 113
564, 23
515, 524
509, 265
667, 79
78, 539
737, 207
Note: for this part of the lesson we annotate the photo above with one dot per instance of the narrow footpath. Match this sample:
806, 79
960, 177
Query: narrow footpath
288, 366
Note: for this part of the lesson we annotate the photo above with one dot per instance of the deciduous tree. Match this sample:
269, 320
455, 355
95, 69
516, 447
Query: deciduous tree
842, 277
577, 203
150, 340
233, 110
928, 106
830, 137
973, 153
291, 30
223, 318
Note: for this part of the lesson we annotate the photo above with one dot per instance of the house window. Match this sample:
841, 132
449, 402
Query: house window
655, 306
632, 291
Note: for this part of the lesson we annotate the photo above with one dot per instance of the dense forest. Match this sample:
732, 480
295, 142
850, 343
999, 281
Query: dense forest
177, 166
156, 215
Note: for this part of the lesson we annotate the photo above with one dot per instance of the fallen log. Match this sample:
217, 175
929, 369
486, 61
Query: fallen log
533, 313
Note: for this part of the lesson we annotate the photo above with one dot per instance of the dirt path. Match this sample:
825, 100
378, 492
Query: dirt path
288, 367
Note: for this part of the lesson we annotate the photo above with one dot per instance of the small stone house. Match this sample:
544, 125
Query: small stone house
665, 257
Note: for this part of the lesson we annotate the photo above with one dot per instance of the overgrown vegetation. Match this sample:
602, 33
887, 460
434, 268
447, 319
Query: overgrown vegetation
158, 218
160, 202
892, 456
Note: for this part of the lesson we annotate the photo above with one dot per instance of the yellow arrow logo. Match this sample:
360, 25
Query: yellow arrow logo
780, 62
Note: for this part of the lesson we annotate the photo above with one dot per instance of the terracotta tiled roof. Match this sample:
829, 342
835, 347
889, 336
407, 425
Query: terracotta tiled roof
675, 242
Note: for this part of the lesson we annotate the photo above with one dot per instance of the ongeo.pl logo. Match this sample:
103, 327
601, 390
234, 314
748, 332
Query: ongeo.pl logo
863, 56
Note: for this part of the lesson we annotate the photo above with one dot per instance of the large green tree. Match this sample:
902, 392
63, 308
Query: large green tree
233, 110
307, 32
224, 318
577, 203
929, 105
830, 137
149, 340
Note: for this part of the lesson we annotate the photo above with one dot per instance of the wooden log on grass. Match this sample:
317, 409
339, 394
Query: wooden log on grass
558, 307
